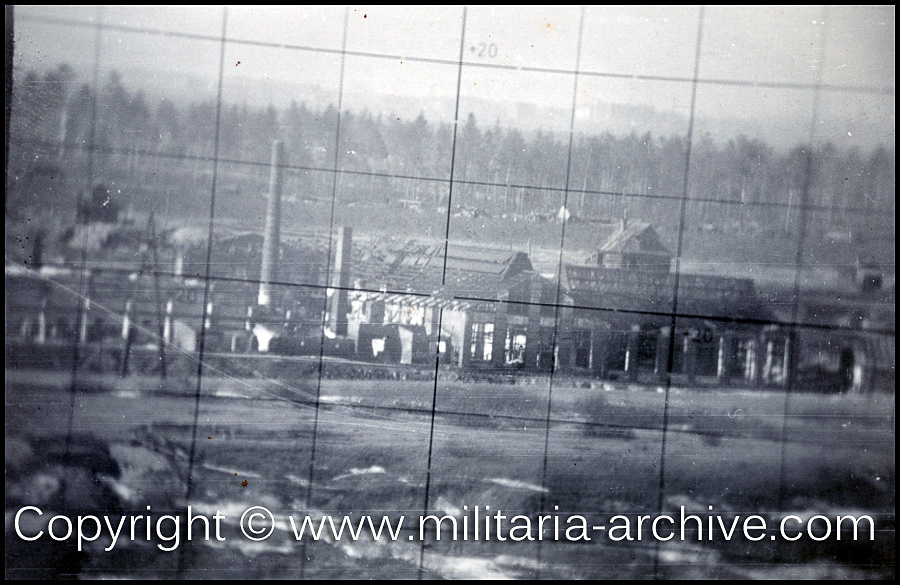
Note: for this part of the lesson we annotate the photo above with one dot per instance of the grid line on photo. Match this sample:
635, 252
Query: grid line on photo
426, 503
799, 262
328, 273
189, 480
313, 402
670, 356
559, 277
878, 90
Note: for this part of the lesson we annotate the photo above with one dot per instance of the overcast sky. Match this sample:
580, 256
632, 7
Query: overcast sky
640, 56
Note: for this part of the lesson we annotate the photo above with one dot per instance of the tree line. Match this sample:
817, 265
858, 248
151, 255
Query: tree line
162, 148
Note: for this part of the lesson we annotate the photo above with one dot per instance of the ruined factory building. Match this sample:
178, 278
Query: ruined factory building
404, 301
610, 316
422, 293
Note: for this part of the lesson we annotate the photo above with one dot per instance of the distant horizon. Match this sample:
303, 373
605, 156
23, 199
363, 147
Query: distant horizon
772, 101
660, 123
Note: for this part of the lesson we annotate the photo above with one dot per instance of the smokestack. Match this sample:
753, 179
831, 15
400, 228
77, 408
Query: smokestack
624, 223
271, 244
179, 263
340, 305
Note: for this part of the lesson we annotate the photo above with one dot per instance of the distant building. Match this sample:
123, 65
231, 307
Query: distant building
634, 246
453, 308
404, 301
619, 323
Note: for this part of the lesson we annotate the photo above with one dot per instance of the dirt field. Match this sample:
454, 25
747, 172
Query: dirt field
724, 449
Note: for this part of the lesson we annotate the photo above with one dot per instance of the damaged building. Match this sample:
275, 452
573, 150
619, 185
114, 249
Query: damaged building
471, 306
404, 301
490, 308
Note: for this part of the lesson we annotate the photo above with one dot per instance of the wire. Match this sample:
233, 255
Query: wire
839, 88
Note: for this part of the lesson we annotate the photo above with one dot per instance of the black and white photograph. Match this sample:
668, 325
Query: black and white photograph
450, 292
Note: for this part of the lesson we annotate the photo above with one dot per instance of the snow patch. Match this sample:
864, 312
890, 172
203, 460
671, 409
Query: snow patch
516, 484
375, 469
297, 480
231, 471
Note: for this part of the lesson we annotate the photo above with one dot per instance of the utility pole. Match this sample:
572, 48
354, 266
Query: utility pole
131, 308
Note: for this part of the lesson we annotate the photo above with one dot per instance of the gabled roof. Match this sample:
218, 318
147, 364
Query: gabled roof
414, 266
635, 232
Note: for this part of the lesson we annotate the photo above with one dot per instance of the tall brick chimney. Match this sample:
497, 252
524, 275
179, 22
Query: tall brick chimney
340, 304
272, 239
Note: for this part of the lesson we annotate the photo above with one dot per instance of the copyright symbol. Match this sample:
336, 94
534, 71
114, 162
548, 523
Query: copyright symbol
257, 533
